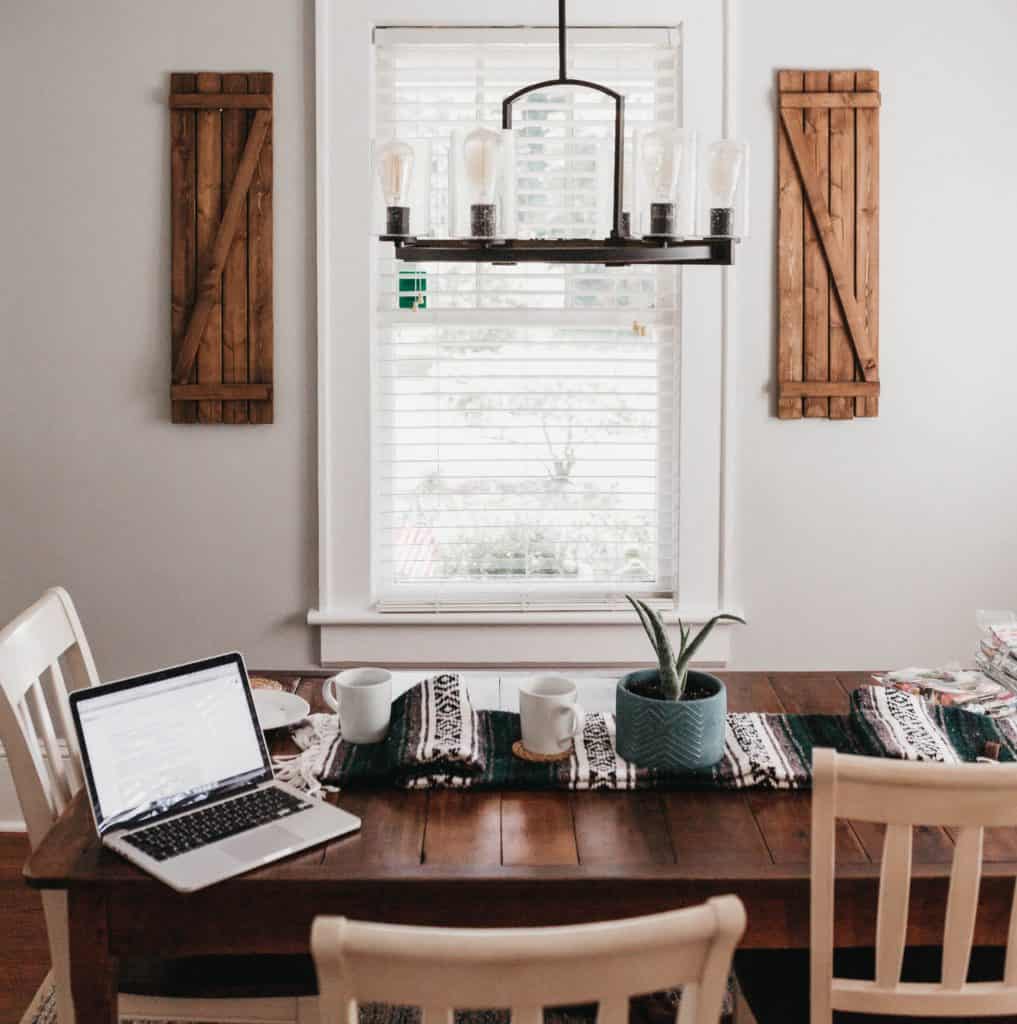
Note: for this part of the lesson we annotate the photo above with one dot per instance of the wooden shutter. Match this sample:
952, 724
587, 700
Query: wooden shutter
221, 267
828, 244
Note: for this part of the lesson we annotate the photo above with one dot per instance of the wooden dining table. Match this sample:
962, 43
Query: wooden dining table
461, 858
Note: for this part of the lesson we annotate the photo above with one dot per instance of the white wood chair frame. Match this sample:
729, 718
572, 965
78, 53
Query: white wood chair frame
527, 969
901, 795
43, 656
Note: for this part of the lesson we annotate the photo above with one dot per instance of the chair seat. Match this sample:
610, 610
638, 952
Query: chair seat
775, 982
219, 977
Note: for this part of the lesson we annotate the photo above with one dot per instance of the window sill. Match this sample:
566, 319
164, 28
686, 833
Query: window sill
622, 617
499, 638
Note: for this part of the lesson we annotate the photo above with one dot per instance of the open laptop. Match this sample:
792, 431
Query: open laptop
180, 779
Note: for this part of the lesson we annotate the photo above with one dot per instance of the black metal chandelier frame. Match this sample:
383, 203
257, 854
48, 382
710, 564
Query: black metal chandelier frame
618, 249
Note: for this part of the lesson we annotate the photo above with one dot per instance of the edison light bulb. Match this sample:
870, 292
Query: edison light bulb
481, 149
725, 161
661, 158
395, 169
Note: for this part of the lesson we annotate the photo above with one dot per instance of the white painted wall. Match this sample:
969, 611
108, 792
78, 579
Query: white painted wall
873, 542
856, 544
174, 541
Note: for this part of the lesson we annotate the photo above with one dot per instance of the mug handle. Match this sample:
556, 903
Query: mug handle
330, 692
578, 720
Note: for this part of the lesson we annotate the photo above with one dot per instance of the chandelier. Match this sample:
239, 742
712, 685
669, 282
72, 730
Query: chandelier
663, 162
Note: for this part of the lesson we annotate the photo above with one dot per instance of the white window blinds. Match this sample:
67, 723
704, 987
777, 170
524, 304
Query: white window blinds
525, 427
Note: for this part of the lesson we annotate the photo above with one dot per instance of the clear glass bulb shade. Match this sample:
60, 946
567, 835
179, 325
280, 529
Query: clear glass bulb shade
724, 163
660, 157
395, 171
480, 156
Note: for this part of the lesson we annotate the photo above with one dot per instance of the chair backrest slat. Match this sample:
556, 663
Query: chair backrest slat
1010, 965
528, 969
688, 1008
892, 912
34, 709
59, 791
62, 707
962, 906
901, 795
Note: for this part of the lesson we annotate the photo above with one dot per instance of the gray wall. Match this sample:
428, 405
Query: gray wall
174, 541
860, 543
873, 542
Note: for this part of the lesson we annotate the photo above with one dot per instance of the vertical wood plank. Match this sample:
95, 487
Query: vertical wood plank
234, 281
183, 266
537, 829
621, 828
817, 274
867, 223
750, 691
462, 828
259, 268
209, 205
810, 693
842, 212
714, 828
789, 261
391, 831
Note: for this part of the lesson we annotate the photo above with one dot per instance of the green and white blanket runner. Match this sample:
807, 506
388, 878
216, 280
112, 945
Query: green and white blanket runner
437, 740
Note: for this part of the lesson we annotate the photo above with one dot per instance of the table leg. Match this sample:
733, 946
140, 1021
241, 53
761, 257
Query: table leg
94, 971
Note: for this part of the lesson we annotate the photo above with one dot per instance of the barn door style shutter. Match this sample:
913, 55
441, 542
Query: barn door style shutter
221, 266
828, 244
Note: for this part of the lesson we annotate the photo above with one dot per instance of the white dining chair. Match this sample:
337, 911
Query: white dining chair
901, 795
44, 655
527, 969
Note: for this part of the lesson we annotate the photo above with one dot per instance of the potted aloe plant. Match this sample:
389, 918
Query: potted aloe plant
671, 717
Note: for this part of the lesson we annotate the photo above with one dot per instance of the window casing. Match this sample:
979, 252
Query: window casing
524, 419
349, 627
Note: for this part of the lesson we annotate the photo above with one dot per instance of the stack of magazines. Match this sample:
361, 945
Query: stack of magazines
977, 692
997, 654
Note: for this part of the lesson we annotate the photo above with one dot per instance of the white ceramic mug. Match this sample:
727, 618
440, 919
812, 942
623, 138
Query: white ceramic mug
549, 716
362, 697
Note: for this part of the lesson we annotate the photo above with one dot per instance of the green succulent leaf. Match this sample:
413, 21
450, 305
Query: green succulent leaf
688, 652
656, 630
644, 618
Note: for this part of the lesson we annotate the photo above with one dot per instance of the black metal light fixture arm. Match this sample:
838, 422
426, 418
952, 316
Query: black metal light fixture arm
619, 116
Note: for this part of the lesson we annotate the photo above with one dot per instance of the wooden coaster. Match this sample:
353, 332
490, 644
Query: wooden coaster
261, 683
525, 755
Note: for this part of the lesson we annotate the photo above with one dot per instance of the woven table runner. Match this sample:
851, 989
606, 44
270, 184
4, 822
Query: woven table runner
437, 740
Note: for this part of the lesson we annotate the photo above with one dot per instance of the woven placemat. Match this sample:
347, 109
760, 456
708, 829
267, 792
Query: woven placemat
527, 755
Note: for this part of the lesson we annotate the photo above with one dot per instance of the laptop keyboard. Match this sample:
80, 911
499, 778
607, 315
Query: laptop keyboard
209, 825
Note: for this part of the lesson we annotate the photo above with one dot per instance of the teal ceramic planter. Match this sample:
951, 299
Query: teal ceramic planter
671, 735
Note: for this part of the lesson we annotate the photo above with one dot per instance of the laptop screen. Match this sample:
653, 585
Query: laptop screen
165, 740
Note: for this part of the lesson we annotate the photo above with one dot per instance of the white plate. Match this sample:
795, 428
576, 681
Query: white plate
277, 709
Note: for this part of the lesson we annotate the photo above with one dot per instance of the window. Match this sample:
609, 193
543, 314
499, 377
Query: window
524, 422
366, 611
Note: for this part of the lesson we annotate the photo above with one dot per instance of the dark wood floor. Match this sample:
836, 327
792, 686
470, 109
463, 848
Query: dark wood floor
24, 955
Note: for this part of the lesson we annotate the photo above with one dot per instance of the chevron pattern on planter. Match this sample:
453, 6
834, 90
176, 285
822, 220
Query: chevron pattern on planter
671, 735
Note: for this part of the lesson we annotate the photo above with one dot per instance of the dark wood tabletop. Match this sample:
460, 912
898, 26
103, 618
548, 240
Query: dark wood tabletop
517, 858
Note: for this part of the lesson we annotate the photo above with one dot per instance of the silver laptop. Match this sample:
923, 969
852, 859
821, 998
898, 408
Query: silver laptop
180, 779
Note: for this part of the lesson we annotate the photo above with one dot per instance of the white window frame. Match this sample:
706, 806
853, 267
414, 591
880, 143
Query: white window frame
351, 630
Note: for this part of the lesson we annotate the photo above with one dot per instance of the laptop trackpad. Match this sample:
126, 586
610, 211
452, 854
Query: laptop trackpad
260, 842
